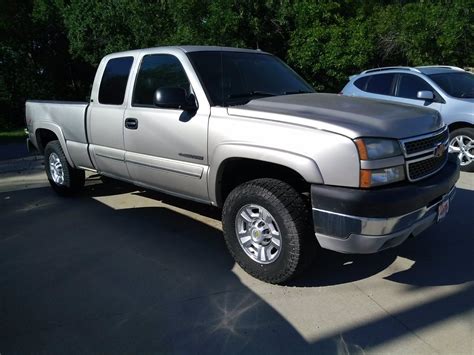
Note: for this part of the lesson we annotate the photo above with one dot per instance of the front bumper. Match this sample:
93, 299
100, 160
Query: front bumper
366, 221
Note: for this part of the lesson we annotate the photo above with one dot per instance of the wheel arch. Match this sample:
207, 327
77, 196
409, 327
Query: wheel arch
459, 124
48, 132
236, 164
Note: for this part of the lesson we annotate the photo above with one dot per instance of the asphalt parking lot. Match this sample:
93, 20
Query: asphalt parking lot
121, 270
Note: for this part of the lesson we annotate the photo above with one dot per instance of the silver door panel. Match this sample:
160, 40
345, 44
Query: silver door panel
79, 154
169, 175
173, 166
163, 133
110, 160
106, 139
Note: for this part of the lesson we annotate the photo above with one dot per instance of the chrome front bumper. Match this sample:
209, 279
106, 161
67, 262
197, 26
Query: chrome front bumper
361, 235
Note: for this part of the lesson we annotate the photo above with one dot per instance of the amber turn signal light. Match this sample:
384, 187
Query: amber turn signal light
362, 149
365, 178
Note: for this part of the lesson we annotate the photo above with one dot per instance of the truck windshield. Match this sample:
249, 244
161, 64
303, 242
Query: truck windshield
459, 85
235, 78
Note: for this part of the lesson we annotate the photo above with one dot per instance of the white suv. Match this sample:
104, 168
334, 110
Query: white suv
449, 90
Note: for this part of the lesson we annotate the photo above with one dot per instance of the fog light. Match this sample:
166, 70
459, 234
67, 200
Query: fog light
371, 178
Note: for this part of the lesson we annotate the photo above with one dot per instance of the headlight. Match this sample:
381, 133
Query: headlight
371, 149
375, 148
371, 178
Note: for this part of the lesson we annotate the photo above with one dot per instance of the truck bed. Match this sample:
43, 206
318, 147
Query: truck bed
68, 115
67, 120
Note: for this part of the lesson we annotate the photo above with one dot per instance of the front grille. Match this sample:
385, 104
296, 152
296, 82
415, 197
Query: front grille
420, 153
425, 144
421, 168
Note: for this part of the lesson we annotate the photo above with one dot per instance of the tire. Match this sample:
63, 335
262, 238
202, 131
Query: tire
290, 213
466, 136
64, 179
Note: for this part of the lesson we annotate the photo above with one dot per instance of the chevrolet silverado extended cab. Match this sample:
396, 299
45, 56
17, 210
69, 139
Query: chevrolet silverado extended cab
292, 170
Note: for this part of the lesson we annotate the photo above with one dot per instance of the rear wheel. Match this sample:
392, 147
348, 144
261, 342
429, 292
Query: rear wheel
267, 228
63, 178
461, 142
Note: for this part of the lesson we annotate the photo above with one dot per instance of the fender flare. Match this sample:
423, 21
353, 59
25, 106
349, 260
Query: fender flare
56, 129
460, 124
301, 164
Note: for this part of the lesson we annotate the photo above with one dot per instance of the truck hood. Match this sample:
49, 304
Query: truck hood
350, 116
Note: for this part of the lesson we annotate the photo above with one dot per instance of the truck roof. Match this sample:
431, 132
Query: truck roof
190, 49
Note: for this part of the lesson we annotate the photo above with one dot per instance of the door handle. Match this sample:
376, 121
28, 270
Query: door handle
131, 123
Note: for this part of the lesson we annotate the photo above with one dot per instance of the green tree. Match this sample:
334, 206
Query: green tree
96, 28
422, 33
50, 48
331, 40
334, 39
117, 25
35, 60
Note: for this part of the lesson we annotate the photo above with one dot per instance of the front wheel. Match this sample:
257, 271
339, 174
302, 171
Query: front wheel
267, 228
63, 178
461, 142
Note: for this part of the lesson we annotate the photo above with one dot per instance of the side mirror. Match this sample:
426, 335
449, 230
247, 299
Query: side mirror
174, 98
425, 95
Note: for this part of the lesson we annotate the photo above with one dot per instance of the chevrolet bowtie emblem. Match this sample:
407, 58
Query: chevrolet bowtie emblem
439, 150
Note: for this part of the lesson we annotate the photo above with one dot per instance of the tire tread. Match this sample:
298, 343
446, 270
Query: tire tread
74, 178
295, 210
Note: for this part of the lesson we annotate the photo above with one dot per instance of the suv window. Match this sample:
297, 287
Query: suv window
158, 71
381, 84
409, 86
457, 84
114, 81
361, 83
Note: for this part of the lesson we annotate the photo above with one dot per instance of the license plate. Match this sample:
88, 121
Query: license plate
443, 209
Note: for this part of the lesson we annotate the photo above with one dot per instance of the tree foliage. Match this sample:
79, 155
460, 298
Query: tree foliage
34, 59
50, 48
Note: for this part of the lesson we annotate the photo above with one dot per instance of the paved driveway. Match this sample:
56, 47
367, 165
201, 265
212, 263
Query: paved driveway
13, 149
119, 270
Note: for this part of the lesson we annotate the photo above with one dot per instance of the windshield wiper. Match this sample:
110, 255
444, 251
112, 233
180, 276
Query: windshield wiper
251, 94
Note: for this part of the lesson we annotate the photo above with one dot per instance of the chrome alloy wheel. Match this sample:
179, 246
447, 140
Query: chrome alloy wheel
56, 169
258, 234
464, 146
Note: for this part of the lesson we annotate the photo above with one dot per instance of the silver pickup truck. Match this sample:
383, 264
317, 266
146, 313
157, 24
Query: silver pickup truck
292, 170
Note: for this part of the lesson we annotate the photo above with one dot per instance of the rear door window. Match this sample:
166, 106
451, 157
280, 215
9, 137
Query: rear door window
381, 84
409, 86
114, 81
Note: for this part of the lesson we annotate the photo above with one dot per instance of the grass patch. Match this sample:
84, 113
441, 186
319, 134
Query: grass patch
12, 135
